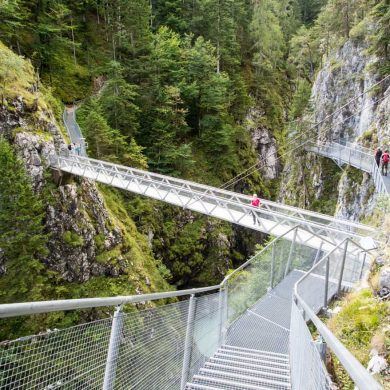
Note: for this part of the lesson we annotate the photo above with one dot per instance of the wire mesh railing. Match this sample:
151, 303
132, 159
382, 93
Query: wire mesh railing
336, 272
143, 349
303, 351
260, 291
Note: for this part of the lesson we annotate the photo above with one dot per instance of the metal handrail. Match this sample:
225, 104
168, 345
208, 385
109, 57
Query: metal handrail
26, 308
20, 309
66, 125
249, 261
354, 368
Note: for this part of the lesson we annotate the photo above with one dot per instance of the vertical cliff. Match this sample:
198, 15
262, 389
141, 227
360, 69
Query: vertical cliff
360, 118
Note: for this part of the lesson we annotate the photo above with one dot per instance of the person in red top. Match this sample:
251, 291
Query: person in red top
385, 162
255, 202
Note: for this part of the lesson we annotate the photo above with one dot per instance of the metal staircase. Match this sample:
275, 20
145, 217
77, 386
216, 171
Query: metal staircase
242, 368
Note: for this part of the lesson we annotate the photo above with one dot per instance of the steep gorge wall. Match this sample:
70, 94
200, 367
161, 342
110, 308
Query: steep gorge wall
362, 119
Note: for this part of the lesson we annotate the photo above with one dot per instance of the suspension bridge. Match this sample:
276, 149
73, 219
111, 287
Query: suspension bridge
249, 332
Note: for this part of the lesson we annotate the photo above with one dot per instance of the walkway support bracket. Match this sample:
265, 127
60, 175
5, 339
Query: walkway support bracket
326, 287
271, 282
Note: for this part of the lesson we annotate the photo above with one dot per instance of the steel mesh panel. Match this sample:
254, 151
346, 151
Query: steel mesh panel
152, 347
307, 368
73, 358
206, 330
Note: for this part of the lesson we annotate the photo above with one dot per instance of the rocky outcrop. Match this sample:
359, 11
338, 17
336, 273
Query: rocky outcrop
75, 221
35, 150
356, 199
84, 239
264, 144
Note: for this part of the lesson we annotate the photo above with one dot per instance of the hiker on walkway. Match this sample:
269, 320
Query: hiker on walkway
78, 149
255, 202
385, 162
378, 155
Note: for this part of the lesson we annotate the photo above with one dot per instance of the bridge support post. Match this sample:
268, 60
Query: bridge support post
271, 282
288, 265
113, 350
321, 348
318, 254
342, 267
222, 308
188, 342
326, 287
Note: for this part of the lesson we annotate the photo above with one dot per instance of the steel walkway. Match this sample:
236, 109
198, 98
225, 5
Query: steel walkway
73, 129
354, 155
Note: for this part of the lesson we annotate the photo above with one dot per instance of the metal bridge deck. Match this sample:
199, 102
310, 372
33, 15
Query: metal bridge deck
266, 325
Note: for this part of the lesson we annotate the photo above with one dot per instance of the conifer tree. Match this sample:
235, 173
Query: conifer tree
22, 237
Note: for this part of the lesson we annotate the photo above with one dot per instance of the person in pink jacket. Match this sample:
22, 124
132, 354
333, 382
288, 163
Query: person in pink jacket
255, 202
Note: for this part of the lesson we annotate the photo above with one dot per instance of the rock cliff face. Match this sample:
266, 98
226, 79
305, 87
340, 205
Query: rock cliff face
360, 118
344, 77
264, 144
86, 239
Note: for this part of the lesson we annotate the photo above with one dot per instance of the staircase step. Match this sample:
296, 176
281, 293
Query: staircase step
250, 366
281, 359
248, 380
224, 383
255, 351
196, 386
256, 372
263, 362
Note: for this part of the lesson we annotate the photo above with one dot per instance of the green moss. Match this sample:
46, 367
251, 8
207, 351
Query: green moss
99, 241
134, 250
109, 256
16, 75
73, 239
361, 316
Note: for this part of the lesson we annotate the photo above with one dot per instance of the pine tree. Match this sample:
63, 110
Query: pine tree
118, 102
381, 37
98, 133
